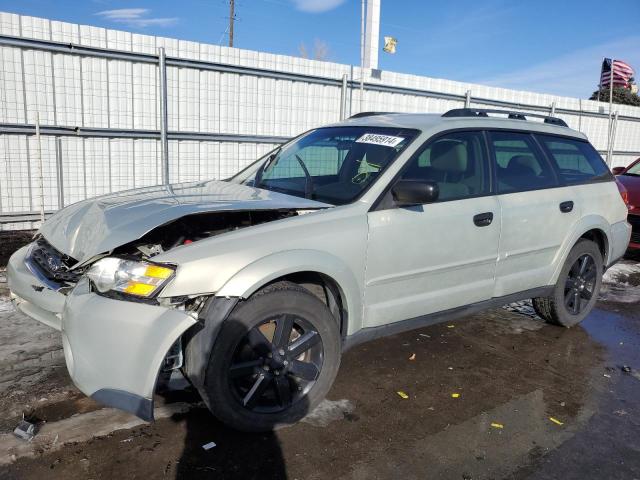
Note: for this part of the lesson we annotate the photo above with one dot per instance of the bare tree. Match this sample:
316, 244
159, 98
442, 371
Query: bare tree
320, 50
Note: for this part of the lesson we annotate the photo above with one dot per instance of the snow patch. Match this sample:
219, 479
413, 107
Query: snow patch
620, 283
613, 274
6, 305
329, 411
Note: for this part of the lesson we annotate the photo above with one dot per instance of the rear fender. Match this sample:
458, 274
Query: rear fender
589, 222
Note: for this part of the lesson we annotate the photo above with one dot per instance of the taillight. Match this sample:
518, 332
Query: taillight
624, 194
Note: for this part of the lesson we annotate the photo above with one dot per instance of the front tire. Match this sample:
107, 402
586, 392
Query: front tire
274, 360
577, 288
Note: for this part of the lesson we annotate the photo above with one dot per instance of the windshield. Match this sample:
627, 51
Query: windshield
332, 165
635, 170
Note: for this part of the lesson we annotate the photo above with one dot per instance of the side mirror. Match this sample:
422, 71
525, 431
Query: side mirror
414, 192
618, 170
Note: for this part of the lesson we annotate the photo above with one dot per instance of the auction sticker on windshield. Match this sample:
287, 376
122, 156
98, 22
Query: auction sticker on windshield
377, 139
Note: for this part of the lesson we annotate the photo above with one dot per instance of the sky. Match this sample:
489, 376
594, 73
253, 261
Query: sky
548, 46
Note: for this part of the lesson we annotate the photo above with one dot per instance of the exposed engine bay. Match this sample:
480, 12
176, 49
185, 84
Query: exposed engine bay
64, 271
196, 227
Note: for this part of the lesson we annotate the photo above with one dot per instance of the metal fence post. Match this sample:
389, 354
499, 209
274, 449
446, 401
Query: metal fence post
60, 173
343, 98
40, 168
467, 99
553, 109
614, 125
164, 119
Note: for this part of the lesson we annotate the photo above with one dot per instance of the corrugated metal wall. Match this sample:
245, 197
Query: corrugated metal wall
243, 102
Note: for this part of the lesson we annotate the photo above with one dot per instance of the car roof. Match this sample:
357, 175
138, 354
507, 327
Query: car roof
434, 121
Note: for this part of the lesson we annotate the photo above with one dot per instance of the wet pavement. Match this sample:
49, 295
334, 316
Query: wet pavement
533, 401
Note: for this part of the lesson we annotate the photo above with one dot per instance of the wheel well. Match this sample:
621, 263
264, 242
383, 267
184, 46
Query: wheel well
326, 289
598, 236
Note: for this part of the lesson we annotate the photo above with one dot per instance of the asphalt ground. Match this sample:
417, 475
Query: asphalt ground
499, 395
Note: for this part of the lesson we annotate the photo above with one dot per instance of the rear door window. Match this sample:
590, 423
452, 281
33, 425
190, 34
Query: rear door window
519, 163
576, 161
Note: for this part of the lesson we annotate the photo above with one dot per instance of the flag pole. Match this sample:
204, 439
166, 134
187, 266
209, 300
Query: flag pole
362, 40
610, 109
600, 82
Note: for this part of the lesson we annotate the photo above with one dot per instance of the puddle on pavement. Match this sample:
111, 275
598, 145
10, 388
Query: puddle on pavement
620, 336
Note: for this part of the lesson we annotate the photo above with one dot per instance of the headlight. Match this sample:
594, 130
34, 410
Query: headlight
141, 279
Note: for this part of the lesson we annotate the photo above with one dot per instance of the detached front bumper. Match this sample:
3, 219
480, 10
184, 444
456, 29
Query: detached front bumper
114, 349
32, 294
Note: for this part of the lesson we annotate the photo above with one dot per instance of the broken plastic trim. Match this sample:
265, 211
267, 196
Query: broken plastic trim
129, 402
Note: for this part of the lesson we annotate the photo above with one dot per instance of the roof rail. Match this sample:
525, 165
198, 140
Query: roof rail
483, 112
368, 114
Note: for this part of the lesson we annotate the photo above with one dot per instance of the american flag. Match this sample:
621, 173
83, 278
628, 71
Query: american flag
619, 70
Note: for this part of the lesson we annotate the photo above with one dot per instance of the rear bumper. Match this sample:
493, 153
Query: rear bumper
113, 349
619, 241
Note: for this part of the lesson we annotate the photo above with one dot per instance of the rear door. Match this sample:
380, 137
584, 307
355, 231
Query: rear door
537, 212
434, 257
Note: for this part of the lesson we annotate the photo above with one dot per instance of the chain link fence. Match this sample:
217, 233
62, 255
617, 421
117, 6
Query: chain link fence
118, 110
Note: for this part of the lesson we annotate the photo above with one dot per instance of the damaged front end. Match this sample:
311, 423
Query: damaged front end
118, 330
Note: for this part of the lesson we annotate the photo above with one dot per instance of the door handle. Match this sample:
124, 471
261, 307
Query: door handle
566, 207
483, 219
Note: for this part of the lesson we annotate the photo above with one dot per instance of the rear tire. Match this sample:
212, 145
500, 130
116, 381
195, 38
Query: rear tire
577, 288
274, 360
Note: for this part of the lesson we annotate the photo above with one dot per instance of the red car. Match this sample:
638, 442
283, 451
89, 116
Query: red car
629, 177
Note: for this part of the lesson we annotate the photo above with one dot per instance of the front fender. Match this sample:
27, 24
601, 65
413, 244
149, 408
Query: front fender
248, 280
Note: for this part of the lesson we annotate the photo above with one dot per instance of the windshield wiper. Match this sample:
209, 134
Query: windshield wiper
258, 180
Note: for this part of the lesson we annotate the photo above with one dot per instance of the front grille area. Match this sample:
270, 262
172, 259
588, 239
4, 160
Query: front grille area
53, 264
634, 220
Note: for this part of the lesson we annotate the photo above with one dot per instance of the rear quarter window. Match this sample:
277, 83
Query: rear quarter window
575, 161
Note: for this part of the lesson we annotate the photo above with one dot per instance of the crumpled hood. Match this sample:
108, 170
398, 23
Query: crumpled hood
99, 225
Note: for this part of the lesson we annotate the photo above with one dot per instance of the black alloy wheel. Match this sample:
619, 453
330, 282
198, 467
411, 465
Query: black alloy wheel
274, 359
576, 290
580, 284
276, 364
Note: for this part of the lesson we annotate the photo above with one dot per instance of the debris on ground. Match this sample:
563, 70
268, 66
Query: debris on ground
402, 394
450, 326
497, 425
425, 335
556, 421
208, 446
455, 395
25, 430
626, 369
606, 375
412, 357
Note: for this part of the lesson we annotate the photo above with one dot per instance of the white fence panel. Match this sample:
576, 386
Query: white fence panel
99, 106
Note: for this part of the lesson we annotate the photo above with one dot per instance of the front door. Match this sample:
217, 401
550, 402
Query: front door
434, 257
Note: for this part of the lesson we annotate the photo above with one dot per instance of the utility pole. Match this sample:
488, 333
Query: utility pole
232, 17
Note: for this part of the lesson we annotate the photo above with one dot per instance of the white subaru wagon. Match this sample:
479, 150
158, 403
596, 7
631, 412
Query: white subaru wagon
254, 286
